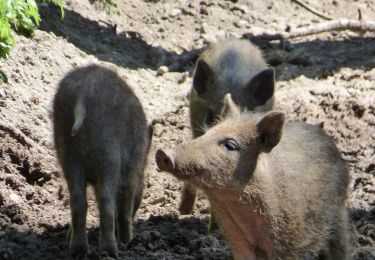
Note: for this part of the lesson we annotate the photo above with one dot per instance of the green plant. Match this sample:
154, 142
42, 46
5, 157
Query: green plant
23, 17
3, 77
109, 6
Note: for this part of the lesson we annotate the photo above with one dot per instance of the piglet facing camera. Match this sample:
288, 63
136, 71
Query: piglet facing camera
277, 189
229, 66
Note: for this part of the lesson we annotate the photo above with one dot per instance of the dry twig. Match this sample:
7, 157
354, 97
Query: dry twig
334, 25
313, 10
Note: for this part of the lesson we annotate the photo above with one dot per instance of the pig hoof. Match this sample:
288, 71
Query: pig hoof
187, 202
126, 238
213, 227
110, 249
78, 250
189, 194
186, 209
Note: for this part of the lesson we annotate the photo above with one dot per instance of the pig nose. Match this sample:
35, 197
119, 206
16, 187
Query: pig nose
165, 160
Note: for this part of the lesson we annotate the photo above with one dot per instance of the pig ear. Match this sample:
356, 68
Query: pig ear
203, 76
262, 86
230, 109
270, 129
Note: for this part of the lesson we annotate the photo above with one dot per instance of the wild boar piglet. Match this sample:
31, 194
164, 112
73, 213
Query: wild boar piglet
229, 66
277, 189
102, 138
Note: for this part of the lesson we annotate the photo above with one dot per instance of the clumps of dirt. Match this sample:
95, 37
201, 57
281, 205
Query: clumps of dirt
25, 244
167, 240
326, 80
13, 213
169, 129
26, 188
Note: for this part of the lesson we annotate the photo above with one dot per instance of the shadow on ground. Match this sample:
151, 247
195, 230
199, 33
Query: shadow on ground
154, 238
320, 58
165, 237
126, 49
363, 222
313, 59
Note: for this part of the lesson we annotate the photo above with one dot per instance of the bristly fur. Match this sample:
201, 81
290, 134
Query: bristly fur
101, 138
228, 66
288, 200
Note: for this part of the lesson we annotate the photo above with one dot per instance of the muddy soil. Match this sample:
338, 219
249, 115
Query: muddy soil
326, 80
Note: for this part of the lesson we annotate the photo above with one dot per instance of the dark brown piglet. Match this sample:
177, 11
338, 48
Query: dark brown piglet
102, 138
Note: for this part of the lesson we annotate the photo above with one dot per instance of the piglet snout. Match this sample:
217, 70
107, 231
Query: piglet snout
165, 160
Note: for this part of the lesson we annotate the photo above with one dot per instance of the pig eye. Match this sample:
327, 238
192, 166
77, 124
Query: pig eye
230, 145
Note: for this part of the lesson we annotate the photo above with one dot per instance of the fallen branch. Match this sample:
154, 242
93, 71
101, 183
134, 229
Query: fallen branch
334, 25
178, 62
313, 10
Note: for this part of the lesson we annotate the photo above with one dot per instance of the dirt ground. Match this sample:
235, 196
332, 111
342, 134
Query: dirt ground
326, 80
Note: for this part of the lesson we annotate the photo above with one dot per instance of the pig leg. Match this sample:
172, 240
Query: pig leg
212, 225
75, 177
138, 197
189, 193
249, 254
125, 207
106, 191
129, 200
338, 244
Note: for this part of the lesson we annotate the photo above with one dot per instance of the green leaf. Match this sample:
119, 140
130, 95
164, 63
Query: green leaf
3, 77
23, 17
57, 3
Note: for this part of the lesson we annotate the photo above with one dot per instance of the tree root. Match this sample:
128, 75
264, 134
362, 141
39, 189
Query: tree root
334, 25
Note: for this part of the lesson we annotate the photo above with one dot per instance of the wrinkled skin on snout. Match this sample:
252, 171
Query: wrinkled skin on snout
212, 161
226, 155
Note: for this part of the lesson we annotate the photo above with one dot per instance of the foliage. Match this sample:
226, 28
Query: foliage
3, 77
23, 17
109, 6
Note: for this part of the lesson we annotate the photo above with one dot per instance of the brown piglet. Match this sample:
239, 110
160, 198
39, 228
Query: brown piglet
229, 66
278, 189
